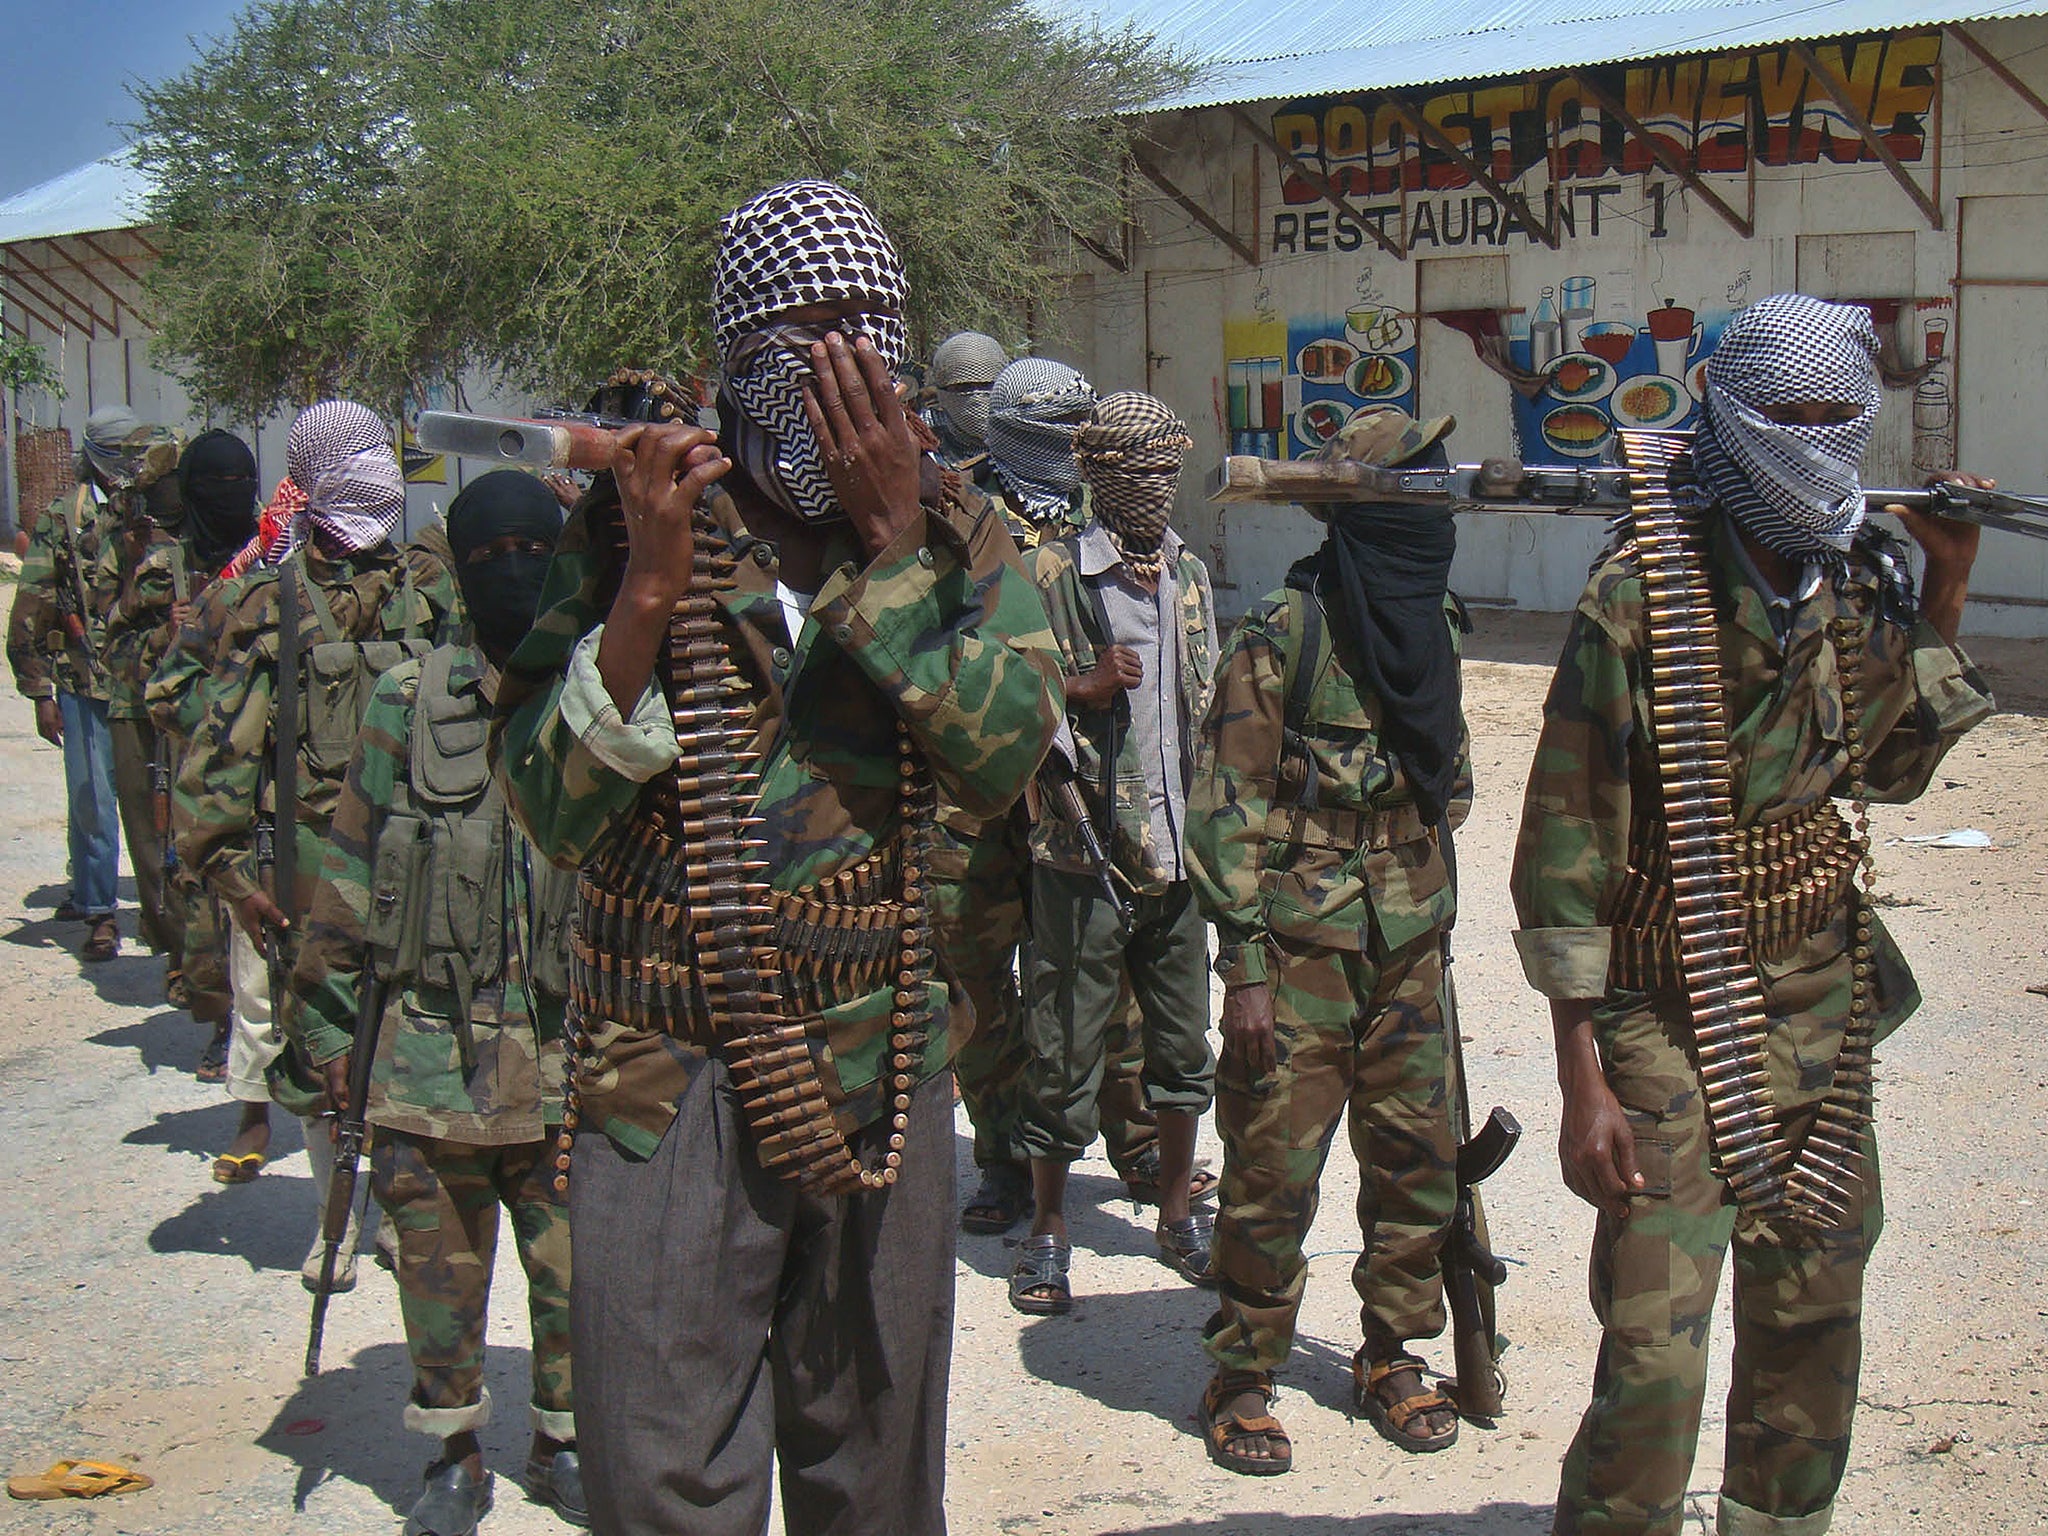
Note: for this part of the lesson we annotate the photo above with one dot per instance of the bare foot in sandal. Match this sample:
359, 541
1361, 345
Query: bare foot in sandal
1393, 1393
1238, 1426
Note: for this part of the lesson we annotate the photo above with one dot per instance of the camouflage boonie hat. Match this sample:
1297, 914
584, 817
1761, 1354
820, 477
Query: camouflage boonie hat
1384, 438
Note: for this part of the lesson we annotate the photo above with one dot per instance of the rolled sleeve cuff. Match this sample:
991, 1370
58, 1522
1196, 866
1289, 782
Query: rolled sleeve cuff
1243, 964
889, 606
321, 1041
635, 749
1566, 962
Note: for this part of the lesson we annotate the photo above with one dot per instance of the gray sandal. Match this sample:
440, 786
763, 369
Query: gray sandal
1042, 1264
1184, 1247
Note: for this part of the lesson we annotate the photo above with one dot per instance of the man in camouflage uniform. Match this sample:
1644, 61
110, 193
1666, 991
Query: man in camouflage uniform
1131, 608
217, 489
723, 1317
431, 898
1803, 601
1332, 766
56, 643
360, 610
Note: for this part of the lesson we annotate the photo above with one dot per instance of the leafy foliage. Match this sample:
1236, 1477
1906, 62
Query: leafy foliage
362, 195
24, 365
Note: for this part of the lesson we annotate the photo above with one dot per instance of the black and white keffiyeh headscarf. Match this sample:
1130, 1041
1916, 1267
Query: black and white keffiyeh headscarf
339, 453
965, 367
804, 242
1793, 488
1033, 408
1129, 451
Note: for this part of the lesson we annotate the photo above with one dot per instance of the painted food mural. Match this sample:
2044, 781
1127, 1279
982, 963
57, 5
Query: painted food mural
1602, 369
1291, 384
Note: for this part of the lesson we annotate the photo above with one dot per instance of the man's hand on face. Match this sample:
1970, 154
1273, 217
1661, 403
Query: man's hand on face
870, 450
1116, 670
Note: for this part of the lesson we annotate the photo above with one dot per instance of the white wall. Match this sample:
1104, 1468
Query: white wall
1837, 229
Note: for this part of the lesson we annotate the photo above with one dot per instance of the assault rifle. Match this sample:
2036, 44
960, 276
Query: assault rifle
160, 805
1057, 777
351, 1127
547, 440
1508, 485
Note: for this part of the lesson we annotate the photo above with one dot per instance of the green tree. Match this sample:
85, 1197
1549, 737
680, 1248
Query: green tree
364, 195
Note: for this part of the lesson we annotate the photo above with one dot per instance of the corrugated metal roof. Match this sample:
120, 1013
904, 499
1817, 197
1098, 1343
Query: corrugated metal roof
1258, 50
107, 194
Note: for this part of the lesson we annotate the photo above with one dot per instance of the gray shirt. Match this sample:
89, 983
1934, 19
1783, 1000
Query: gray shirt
1149, 623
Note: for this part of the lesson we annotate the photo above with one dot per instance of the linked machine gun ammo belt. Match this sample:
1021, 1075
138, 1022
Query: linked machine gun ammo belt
1508, 485
678, 930
1712, 881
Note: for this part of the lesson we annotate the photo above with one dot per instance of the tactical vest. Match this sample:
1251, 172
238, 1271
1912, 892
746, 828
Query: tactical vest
439, 912
338, 674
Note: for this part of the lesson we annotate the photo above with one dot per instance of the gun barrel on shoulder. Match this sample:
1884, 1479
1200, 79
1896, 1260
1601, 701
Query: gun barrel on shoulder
1509, 485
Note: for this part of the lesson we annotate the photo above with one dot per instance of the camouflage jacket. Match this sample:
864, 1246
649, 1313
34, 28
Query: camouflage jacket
1330, 865
1058, 569
1595, 767
141, 563
62, 572
224, 778
378, 892
937, 631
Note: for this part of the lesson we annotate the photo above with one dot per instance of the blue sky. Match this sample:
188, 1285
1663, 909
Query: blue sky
65, 68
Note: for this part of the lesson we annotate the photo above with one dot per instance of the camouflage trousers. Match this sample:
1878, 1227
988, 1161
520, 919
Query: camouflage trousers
135, 745
1359, 1039
980, 918
1798, 1327
443, 1199
202, 953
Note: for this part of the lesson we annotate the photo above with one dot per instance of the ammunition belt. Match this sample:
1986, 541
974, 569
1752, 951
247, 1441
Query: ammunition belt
1795, 875
678, 930
1714, 900
1689, 731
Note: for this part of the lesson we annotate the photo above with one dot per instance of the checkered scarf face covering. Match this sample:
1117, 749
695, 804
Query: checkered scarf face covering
340, 455
1129, 451
804, 242
1033, 408
1794, 488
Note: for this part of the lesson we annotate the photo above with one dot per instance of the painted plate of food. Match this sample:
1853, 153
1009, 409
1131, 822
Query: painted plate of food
1650, 400
1696, 379
1581, 376
1318, 420
1576, 431
1325, 361
1377, 377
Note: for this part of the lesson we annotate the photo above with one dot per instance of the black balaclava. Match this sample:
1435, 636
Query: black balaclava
217, 483
502, 593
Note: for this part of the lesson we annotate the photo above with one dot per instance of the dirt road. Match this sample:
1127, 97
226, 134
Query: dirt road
156, 1318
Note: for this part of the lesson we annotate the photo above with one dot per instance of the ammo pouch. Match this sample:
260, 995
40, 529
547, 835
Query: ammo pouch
338, 676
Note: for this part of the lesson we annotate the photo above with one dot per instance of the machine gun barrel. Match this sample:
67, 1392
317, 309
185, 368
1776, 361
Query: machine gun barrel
1508, 485
549, 441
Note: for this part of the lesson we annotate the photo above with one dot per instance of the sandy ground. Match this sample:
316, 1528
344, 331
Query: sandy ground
156, 1318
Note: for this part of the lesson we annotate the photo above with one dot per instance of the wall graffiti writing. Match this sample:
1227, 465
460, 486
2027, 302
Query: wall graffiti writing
1717, 114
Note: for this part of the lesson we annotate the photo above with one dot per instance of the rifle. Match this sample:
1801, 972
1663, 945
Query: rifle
1508, 485
160, 760
1470, 1268
1057, 776
548, 439
350, 1130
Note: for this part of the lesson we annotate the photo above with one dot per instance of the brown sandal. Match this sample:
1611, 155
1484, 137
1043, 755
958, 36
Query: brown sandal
1218, 1434
1392, 1419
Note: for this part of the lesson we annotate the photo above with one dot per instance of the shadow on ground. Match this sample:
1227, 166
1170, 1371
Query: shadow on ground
167, 1039
1488, 1520
205, 1132
371, 1388
268, 1223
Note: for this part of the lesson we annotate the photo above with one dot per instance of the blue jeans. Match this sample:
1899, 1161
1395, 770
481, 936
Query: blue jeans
94, 814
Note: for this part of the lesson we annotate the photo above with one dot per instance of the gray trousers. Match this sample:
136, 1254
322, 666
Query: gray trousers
718, 1317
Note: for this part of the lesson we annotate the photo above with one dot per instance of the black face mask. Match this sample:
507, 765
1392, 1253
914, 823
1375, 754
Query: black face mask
217, 486
502, 593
